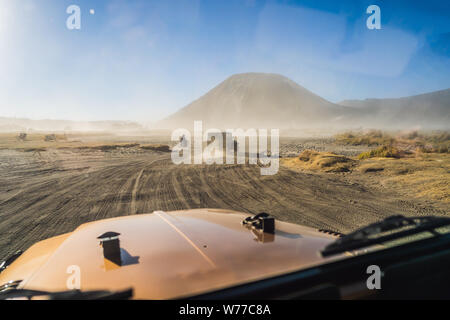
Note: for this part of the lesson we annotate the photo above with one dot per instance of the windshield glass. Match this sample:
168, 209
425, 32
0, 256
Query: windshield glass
331, 115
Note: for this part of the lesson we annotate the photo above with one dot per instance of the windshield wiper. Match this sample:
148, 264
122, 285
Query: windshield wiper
10, 260
67, 295
363, 237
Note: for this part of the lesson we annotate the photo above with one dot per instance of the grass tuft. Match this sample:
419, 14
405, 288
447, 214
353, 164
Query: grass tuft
156, 147
326, 161
381, 152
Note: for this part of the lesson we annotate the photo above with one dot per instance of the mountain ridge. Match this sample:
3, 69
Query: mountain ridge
429, 110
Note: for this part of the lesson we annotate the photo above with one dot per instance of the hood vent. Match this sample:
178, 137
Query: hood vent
262, 221
333, 233
111, 246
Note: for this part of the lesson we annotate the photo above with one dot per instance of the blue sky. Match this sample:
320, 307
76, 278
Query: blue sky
143, 59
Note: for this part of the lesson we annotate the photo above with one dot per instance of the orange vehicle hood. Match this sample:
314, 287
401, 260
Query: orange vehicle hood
169, 254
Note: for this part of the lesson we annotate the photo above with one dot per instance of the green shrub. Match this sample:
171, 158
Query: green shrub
381, 152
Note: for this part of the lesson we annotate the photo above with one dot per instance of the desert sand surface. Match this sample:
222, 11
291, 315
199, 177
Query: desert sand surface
50, 189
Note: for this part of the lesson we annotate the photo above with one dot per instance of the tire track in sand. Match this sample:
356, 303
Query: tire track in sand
134, 192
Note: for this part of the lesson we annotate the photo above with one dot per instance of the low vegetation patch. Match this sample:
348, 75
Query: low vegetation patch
381, 152
436, 148
369, 138
368, 169
324, 161
429, 142
35, 142
34, 149
156, 147
426, 176
109, 147
408, 141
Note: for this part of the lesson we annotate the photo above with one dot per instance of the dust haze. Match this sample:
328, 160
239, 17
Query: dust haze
342, 165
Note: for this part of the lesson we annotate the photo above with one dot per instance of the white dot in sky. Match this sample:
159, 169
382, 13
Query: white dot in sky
92, 11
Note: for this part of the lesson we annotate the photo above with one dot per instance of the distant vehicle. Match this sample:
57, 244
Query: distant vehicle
22, 136
50, 137
223, 254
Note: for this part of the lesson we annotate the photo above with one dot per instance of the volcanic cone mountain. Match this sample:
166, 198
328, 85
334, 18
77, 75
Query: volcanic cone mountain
257, 100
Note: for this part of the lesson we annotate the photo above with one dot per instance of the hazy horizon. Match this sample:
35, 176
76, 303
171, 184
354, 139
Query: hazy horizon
145, 122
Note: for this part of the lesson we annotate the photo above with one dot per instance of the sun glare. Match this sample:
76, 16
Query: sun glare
4, 17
